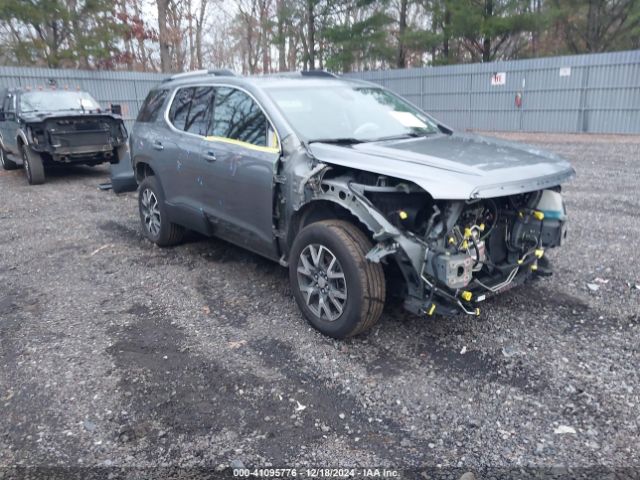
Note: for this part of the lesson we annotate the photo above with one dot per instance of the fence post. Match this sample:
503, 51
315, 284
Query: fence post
582, 116
468, 127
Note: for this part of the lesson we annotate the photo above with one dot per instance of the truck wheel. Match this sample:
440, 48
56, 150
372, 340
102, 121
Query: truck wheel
339, 291
33, 166
6, 163
153, 215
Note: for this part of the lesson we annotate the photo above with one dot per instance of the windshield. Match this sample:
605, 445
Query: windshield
48, 101
341, 112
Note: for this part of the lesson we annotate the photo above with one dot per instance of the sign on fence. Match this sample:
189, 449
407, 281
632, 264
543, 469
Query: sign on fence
498, 78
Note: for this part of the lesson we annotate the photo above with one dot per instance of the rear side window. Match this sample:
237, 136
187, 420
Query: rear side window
180, 107
237, 116
152, 106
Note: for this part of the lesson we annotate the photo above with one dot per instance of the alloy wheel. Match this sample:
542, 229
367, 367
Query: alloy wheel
151, 212
27, 167
322, 282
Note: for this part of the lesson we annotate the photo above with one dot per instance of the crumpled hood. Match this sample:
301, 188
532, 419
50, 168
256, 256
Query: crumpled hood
455, 167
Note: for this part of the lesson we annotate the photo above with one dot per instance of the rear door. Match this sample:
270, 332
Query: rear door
239, 160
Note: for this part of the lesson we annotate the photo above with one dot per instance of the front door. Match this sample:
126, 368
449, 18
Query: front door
239, 159
9, 125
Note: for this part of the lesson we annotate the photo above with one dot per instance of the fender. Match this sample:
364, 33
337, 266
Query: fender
22, 136
389, 239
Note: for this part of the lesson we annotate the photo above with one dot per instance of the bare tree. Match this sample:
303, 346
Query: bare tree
163, 35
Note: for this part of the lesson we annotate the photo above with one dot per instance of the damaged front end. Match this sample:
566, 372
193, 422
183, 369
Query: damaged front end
90, 139
452, 254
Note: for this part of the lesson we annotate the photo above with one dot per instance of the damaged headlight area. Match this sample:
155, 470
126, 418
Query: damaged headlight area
454, 254
89, 139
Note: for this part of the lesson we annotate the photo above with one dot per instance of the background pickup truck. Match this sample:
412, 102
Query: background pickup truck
45, 127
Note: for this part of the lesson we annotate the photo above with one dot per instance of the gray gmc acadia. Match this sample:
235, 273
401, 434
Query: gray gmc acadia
351, 187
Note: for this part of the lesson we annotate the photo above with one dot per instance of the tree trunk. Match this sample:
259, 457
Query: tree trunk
486, 43
266, 60
402, 28
282, 59
446, 32
592, 27
199, 27
192, 43
311, 34
163, 36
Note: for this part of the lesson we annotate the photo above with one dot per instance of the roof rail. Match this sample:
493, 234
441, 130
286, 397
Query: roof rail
199, 73
317, 73
222, 72
303, 73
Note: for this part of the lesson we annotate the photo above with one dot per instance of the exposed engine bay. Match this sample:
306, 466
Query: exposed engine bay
470, 250
89, 139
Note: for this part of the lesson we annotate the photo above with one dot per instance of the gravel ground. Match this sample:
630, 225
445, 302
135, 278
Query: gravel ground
115, 353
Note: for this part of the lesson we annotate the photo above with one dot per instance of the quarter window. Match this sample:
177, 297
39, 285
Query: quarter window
152, 106
237, 116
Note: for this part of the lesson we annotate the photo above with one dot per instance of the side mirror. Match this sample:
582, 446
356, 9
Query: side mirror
116, 109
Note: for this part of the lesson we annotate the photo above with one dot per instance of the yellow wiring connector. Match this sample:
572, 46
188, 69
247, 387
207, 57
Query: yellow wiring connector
432, 309
403, 215
466, 296
477, 312
539, 252
538, 215
467, 233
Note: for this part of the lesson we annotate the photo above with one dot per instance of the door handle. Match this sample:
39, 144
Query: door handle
210, 156
158, 146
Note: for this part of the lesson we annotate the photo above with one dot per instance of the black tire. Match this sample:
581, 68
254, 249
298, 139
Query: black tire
166, 234
5, 162
364, 280
33, 167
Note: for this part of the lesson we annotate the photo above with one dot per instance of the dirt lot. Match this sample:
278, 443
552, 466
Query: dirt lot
114, 352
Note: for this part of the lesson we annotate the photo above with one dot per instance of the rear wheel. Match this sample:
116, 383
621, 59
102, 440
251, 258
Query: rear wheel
153, 215
33, 166
339, 291
6, 163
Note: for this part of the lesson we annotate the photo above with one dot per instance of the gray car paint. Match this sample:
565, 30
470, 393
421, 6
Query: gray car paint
454, 167
256, 200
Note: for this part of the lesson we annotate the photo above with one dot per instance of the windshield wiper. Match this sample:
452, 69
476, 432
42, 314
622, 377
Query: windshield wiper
338, 141
402, 136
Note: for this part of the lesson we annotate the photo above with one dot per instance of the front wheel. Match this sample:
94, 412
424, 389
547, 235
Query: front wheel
33, 166
153, 215
339, 291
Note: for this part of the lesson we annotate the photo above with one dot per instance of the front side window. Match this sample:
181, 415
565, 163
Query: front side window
237, 116
152, 106
57, 100
199, 116
342, 111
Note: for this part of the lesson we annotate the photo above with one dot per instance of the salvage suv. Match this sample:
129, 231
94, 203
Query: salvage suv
351, 187
48, 127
